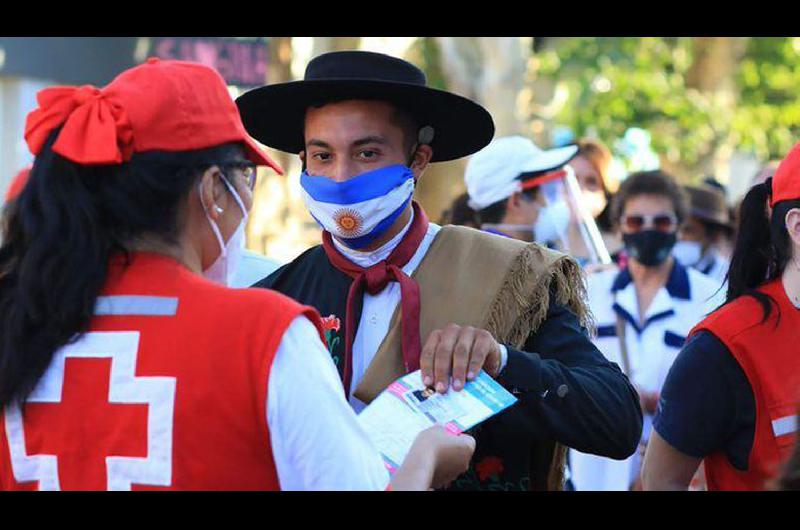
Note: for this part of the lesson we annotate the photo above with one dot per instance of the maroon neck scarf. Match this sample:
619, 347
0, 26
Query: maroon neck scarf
374, 279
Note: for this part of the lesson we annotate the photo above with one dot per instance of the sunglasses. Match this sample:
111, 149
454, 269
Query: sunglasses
661, 222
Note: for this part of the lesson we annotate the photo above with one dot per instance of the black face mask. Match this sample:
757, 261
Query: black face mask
649, 247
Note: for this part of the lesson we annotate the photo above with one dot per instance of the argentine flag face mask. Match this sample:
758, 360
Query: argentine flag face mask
360, 210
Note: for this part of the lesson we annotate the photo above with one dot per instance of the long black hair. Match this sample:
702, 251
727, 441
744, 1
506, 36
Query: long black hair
763, 247
58, 236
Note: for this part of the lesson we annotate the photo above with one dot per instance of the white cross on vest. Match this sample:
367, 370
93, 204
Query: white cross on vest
156, 393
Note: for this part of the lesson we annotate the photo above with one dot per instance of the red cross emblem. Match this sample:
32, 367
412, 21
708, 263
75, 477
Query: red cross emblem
91, 392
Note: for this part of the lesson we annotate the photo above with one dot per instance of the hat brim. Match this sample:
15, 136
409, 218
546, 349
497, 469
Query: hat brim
257, 155
551, 159
711, 217
275, 114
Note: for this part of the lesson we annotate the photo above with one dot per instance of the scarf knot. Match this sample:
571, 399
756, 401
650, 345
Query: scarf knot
374, 280
378, 276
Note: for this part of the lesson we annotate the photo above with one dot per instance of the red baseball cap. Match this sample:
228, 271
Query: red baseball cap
156, 106
17, 183
786, 181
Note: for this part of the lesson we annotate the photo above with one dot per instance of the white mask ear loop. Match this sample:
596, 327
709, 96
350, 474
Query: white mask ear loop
214, 227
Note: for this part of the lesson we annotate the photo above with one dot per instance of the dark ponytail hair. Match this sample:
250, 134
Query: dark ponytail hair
58, 236
763, 247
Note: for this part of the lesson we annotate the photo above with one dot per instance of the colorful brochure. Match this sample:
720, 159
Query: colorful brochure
407, 407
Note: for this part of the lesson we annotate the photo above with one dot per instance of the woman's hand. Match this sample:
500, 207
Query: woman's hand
436, 458
453, 453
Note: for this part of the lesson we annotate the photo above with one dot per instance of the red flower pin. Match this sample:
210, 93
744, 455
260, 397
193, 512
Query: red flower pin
488, 467
331, 323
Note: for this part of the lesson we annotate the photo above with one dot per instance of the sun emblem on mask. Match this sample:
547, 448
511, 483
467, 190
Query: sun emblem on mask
348, 221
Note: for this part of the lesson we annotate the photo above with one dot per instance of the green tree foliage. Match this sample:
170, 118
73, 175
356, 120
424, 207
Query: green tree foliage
619, 82
424, 52
767, 120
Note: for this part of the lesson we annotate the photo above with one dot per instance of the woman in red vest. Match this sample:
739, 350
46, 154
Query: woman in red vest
125, 360
731, 397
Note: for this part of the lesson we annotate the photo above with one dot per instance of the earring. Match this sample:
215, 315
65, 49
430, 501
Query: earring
218, 209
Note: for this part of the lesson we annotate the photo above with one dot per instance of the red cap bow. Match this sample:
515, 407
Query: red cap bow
95, 129
171, 106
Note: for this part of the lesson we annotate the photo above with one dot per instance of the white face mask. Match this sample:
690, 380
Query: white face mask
550, 226
552, 223
223, 270
594, 202
688, 253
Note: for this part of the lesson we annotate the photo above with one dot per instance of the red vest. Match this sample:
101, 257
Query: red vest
769, 354
167, 391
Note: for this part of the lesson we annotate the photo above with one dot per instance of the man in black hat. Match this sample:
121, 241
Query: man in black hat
704, 232
400, 293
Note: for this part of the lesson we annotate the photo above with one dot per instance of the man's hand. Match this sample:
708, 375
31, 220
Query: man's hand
458, 352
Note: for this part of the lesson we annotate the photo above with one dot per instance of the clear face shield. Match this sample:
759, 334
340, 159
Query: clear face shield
567, 206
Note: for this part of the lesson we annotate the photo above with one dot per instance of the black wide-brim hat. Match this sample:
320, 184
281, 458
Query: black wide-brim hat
275, 114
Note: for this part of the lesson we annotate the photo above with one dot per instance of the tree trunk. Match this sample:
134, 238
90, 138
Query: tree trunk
714, 64
490, 71
279, 225
541, 97
712, 73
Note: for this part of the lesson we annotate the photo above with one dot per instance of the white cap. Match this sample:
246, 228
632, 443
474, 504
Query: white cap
492, 172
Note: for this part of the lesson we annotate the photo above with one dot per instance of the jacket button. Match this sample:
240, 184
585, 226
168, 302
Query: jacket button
562, 391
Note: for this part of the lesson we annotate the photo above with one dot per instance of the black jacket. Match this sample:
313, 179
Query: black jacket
567, 390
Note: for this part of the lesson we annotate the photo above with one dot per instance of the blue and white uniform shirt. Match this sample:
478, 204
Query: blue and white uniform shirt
714, 266
654, 343
652, 346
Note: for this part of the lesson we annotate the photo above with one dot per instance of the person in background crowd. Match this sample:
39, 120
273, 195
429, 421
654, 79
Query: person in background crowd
644, 311
460, 213
725, 245
125, 360
714, 183
447, 300
705, 229
503, 182
731, 398
591, 166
